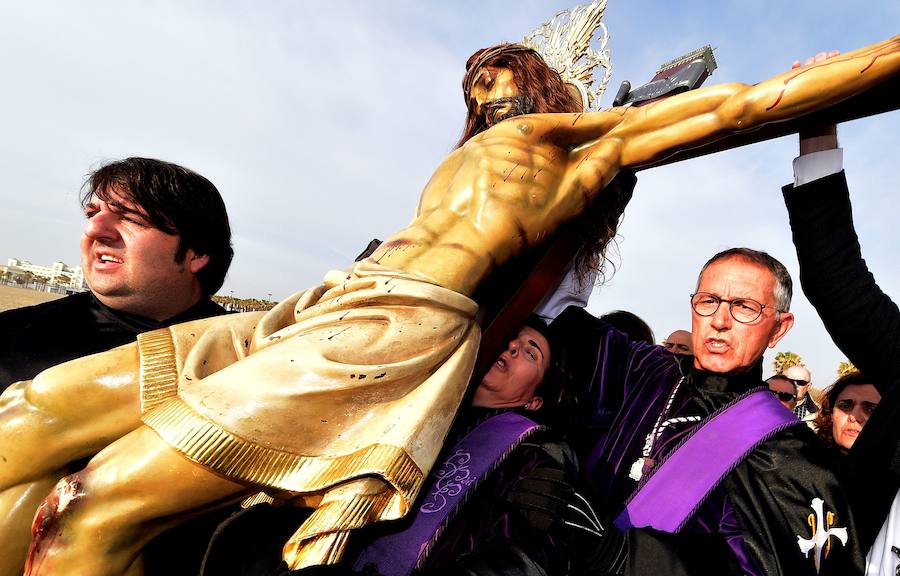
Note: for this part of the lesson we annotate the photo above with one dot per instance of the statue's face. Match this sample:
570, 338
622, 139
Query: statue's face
497, 95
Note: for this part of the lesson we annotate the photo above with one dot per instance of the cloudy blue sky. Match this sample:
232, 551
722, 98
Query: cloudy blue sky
321, 122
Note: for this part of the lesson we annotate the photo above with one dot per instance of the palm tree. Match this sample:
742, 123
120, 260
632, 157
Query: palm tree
845, 368
784, 360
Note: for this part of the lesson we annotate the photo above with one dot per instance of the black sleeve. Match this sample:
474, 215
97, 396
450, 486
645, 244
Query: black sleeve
864, 323
862, 320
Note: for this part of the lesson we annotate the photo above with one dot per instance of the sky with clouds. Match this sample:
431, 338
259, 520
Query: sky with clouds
321, 122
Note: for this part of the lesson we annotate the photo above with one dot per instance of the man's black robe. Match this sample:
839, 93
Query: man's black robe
35, 338
752, 522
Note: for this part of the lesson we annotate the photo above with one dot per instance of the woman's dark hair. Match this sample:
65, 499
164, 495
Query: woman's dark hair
175, 200
550, 388
823, 422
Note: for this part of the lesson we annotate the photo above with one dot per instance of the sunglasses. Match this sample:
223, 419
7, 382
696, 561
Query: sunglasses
797, 382
784, 396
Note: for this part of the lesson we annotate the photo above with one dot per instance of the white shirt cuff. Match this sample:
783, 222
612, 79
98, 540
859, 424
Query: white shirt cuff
809, 167
569, 292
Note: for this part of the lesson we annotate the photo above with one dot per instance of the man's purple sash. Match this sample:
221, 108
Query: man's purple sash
469, 462
674, 489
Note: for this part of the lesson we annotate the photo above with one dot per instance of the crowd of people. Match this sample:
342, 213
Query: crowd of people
586, 448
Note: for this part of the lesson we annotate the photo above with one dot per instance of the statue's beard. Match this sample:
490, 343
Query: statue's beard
518, 105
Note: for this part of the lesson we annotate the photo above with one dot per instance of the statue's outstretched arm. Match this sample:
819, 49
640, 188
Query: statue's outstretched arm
700, 116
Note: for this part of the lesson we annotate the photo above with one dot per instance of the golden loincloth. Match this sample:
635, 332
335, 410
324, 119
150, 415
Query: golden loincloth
358, 377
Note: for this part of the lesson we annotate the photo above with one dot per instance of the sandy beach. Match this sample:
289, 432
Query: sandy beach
12, 297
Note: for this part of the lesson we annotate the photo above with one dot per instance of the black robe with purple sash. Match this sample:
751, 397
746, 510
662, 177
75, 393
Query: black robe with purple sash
752, 522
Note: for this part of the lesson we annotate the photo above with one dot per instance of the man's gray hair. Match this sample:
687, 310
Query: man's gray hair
783, 284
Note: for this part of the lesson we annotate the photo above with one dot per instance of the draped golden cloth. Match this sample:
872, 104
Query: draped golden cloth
357, 378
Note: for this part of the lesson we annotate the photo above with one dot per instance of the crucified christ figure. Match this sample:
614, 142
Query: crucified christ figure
340, 397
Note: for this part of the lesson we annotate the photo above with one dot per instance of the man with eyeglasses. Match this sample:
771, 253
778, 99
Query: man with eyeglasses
784, 389
747, 494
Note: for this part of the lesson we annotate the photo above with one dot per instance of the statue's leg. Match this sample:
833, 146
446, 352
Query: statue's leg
18, 505
67, 412
98, 520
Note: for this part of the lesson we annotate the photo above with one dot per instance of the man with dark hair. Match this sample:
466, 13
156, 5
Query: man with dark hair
702, 468
156, 245
173, 200
341, 395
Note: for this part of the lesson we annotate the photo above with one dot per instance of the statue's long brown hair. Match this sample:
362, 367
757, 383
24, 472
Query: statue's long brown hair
533, 77
598, 224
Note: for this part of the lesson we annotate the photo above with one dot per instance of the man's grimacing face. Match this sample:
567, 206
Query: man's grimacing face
721, 343
130, 265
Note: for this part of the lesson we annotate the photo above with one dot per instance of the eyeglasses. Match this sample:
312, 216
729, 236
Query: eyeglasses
744, 310
797, 382
784, 396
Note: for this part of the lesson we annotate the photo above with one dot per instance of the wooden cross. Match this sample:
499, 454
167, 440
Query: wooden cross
513, 291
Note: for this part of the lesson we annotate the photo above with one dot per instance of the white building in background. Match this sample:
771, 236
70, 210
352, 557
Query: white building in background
54, 272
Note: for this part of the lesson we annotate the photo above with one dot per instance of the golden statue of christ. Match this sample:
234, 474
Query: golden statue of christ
340, 397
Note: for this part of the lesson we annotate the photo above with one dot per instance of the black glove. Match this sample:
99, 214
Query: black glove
542, 498
547, 502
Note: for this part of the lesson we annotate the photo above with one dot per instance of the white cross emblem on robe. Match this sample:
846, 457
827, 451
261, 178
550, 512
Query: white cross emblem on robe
821, 533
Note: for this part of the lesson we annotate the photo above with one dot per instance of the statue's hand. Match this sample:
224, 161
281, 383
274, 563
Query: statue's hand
820, 57
817, 138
